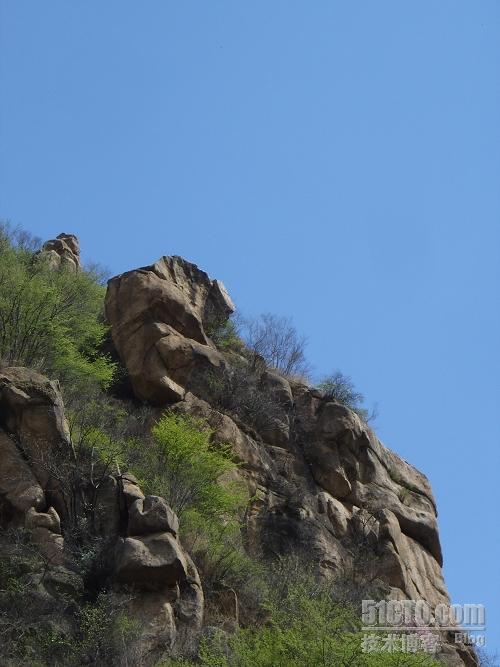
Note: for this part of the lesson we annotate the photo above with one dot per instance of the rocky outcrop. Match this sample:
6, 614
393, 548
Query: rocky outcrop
63, 251
321, 482
160, 316
150, 570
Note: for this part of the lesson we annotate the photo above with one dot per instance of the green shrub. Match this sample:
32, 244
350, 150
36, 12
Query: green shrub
225, 335
305, 628
184, 466
50, 319
196, 477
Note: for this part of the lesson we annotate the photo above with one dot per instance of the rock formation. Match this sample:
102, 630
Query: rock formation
150, 569
63, 251
322, 482
160, 317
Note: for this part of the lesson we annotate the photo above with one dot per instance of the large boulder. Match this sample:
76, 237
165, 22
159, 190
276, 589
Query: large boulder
151, 515
160, 318
19, 488
34, 435
63, 251
150, 561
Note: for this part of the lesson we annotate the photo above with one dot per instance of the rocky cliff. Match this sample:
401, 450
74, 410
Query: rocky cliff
321, 485
321, 481
140, 532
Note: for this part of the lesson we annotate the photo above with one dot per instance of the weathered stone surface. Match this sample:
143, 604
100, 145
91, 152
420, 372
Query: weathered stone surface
130, 489
50, 545
48, 520
154, 613
279, 386
31, 407
18, 485
150, 561
63, 251
151, 515
315, 470
159, 315
168, 597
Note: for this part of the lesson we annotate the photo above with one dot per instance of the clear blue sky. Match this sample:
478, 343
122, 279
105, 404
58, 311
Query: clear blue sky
334, 161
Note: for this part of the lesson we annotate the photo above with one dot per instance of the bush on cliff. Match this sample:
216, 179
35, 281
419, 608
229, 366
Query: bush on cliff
50, 319
305, 627
276, 340
184, 466
195, 475
340, 388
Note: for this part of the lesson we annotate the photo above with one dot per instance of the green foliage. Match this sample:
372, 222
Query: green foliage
50, 319
38, 630
105, 631
305, 626
225, 335
218, 551
185, 466
195, 475
305, 629
340, 388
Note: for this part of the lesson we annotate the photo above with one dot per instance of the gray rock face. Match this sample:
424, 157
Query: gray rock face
159, 316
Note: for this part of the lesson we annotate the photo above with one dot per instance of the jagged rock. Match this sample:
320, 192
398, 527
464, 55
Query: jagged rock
18, 485
279, 386
31, 407
168, 597
130, 489
154, 613
320, 481
151, 515
150, 561
159, 317
189, 604
315, 471
110, 503
63, 251
50, 545
47, 520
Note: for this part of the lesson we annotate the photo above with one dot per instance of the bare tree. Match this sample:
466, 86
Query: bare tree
276, 340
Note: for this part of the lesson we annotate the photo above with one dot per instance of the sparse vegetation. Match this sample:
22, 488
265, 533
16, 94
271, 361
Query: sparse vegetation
226, 335
52, 320
238, 391
38, 630
340, 388
276, 340
306, 626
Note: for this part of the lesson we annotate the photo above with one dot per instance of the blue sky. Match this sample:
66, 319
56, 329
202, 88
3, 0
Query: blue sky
334, 161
